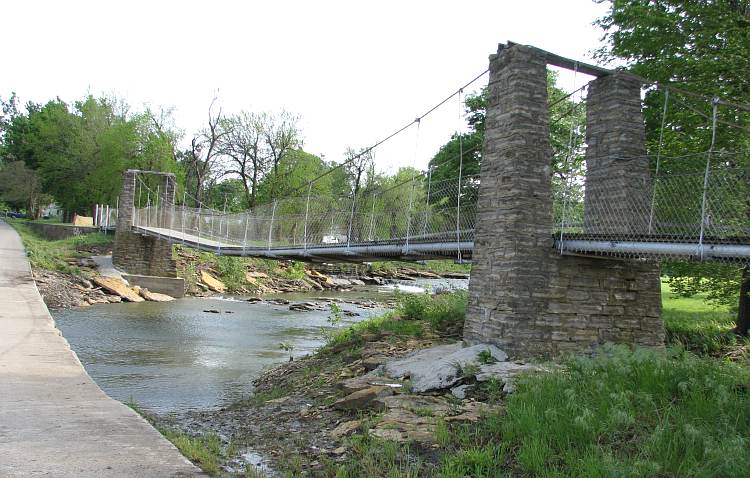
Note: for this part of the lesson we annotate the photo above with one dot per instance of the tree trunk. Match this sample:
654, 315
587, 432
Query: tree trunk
743, 314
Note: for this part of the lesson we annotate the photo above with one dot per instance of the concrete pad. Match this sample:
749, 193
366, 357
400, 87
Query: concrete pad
54, 420
105, 267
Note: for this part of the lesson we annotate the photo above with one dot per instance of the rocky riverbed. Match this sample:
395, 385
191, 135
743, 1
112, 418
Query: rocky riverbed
405, 391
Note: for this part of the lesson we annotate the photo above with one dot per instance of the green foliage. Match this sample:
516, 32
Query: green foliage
22, 187
444, 312
334, 318
717, 283
203, 450
79, 151
702, 47
691, 323
485, 357
351, 337
436, 266
377, 458
632, 414
296, 270
287, 347
231, 271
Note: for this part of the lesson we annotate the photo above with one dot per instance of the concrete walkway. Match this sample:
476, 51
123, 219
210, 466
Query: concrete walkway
54, 420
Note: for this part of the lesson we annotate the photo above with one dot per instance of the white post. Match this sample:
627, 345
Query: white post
96, 214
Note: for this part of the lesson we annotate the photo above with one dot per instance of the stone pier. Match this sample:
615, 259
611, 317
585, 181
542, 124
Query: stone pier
137, 254
524, 296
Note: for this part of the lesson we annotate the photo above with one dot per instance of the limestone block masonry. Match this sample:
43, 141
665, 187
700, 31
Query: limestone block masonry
139, 254
524, 296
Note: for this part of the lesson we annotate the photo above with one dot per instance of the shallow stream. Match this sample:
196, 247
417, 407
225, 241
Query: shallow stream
176, 356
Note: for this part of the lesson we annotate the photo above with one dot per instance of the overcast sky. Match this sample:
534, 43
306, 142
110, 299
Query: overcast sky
354, 71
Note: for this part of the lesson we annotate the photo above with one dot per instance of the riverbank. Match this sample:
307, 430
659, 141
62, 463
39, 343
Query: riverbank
680, 412
55, 420
65, 273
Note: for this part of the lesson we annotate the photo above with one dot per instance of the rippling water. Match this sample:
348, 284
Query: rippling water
174, 356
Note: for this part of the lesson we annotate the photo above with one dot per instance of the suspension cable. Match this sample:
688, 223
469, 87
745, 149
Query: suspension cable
706, 175
658, 158
460, 174
395, 133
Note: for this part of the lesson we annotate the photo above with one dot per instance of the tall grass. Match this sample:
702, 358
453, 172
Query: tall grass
53, 255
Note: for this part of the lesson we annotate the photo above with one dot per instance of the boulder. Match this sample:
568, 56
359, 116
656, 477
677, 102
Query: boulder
118, 288
338, 282
366, 381
460, 391
436, 368
212, 282
455, 275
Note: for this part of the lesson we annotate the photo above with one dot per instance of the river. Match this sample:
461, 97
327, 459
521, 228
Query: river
176, 356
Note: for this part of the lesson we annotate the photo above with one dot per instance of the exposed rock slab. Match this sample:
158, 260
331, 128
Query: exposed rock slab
362, 399
436, 368
212, 282
504, 371
155, 296
118, 287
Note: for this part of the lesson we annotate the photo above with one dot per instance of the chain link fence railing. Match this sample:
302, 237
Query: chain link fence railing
683, 213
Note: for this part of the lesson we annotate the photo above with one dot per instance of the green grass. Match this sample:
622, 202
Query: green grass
622, 413
436, 266
52, 255
205, 450
697, 325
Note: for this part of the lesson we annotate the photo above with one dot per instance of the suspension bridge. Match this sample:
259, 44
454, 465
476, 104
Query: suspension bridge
570, 238
694, 216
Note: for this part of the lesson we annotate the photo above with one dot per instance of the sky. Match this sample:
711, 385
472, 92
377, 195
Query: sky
353, 71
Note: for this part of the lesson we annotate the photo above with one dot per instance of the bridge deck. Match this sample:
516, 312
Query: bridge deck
733, 249
359, 252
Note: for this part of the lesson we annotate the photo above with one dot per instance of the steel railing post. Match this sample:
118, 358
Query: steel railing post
307, 210
270, 226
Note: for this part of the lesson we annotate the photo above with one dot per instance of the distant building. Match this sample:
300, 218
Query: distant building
52, 210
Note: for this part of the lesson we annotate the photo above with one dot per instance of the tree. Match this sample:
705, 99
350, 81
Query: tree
79, 151
281, 135
243, 145
21, 187
202, 160
567, 137
701, 48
